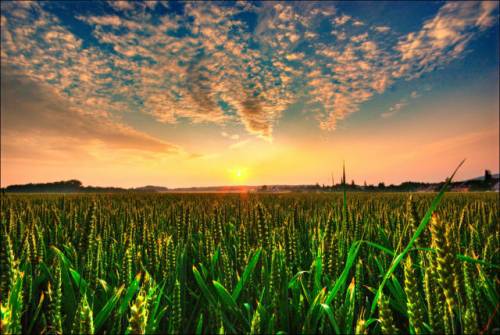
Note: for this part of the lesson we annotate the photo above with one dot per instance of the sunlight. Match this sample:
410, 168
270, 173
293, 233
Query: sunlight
238, 174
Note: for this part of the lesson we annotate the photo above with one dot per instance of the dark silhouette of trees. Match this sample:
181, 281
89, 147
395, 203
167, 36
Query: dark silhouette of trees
487, 176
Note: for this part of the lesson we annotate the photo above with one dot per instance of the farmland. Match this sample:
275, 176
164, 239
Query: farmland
249, 263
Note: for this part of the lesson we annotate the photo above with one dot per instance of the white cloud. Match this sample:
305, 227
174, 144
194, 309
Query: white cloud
124, 5
444, 37
382, 29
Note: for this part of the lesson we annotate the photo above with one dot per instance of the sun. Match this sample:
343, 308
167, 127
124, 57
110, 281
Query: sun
238, 174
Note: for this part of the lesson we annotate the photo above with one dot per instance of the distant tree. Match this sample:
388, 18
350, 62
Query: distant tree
364, 184
353, 183
487, 175
381, 185
264, 188
73, 182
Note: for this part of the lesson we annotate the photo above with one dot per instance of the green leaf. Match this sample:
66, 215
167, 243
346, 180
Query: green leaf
340, 282
213, 263
69, 297
155, 316
199, 326
37, 312
204, 288
310, 323
294, 279
14, 295
246, 275
226, 298
105, 312
478, 261
380, 247
79, 281
131, 291
420, 229
370, 321
317, 274
331, 318
45, 269
351, 301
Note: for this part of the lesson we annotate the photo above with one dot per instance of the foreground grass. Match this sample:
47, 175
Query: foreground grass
288, 263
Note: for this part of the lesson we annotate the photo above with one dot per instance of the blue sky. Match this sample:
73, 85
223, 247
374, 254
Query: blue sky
194, 84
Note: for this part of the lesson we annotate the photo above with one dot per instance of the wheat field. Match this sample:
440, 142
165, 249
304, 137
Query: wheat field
249, 263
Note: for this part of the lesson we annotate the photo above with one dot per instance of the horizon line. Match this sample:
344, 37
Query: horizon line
494, 174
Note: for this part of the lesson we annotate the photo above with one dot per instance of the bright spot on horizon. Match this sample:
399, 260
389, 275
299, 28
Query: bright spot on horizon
238, 174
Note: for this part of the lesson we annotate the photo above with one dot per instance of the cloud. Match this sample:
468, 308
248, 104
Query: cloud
295, 56
363, 65
382, 29
254, 117
232, 137
341, 20
110, 20
239, 144
34, 114
210, 65
396, 108
414, 95
124, 5
444, 37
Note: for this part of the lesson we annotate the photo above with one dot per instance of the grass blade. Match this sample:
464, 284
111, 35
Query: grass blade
351, 258
37, 312
105, 312
420, 229
199, 326
226, 298
331, 318
204, 288
131, 291
246, 274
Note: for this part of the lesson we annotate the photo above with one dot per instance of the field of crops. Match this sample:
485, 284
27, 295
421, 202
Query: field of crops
222, 263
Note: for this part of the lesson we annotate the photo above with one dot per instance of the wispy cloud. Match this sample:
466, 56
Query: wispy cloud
239, 144
398, 106
395, 108
444, 37
230, 136
35, 111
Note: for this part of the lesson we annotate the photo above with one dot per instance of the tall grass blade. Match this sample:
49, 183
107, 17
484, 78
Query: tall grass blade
420, 229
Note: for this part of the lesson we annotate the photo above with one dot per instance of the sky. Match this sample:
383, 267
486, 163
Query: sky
229, 93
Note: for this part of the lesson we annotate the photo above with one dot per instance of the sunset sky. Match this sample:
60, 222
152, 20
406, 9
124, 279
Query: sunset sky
197, 94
